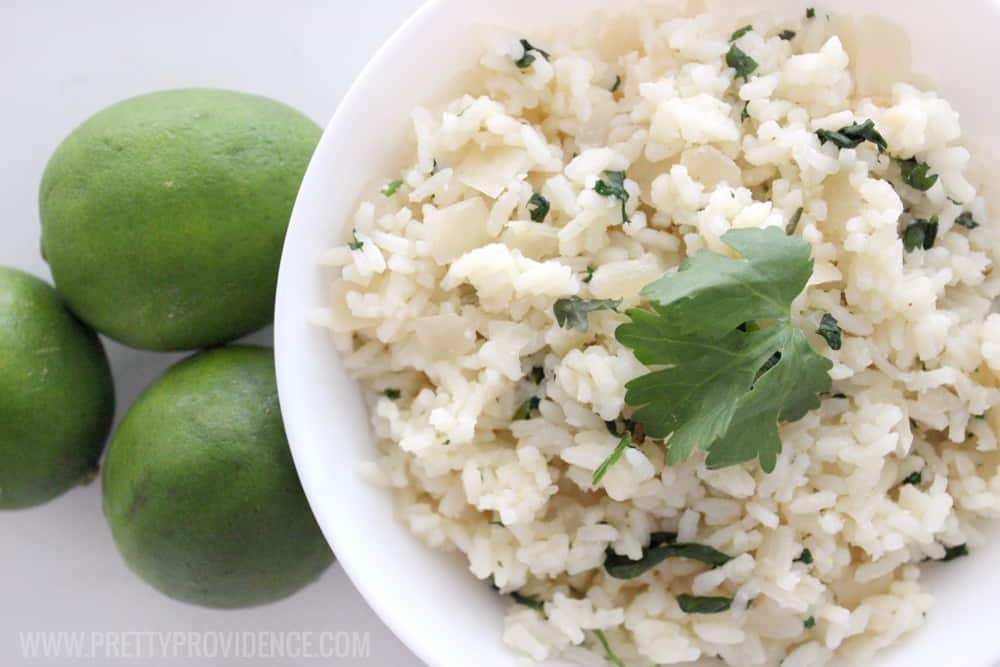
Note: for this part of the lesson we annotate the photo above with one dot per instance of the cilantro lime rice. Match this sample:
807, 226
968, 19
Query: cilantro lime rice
679, 329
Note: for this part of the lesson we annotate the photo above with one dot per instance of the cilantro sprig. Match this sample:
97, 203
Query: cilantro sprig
719, 384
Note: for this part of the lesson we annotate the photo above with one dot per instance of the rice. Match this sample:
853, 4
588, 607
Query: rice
446, 296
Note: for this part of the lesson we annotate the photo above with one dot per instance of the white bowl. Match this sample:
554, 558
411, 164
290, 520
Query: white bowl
430, 600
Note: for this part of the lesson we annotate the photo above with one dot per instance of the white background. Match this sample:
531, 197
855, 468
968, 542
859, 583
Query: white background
61, 61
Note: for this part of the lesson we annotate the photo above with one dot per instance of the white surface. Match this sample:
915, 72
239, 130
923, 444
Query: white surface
59, 63
325, 417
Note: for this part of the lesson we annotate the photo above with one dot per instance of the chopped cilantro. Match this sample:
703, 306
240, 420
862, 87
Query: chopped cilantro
805, 557
355, 244
793, 223
609, 655
913, 478
525, 409
525, 61
528, 601
951, 553
853, 136
710, 391
613, 185
809, 623
590, 275
571, 313
392, 394
741, 62
694, 604
829, 329
389, 189
920, 234
966, 220
917, 174
615, 456
787, 35
539, 207
811, 13
661, 547
741, 32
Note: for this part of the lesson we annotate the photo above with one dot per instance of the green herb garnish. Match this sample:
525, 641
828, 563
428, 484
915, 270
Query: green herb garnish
613, 185
694, 604
528, 601
616, 456
661, 547
805, 557
787, 35
590, 275
793, 223
913, 478
951, 553
609, 655
539, 207
712, 393
853, 136
811, 13
537, 374
829, 329
917, 174
617, 84
391, 188
355, 244
741, 62
920, 234
525, 409
392, 394
525, 61
809, 623
966, 220
741, 32
572, 312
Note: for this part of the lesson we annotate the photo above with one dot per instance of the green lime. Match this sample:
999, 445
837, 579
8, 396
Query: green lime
56, 395
163, 216
200, 489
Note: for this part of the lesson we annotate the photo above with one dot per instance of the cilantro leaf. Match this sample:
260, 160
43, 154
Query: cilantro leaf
951, 553
917, 174
571, 313
590, 276
920, 234
853, 136
829, 329
525, 409
661, 547
811, 13
787, 35
693, 604
805, 557
913, 478
391, 188
613, 185
720, 384
616, 456
966, 220
741, 32
528, 601
741, 62
355, 244
539, 207
392, 394
809, 623
525, 61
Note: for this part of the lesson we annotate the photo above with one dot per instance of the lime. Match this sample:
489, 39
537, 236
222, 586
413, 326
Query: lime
56, 395
200, 489
163, 216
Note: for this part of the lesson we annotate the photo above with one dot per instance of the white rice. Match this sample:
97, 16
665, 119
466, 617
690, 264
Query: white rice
450, 300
